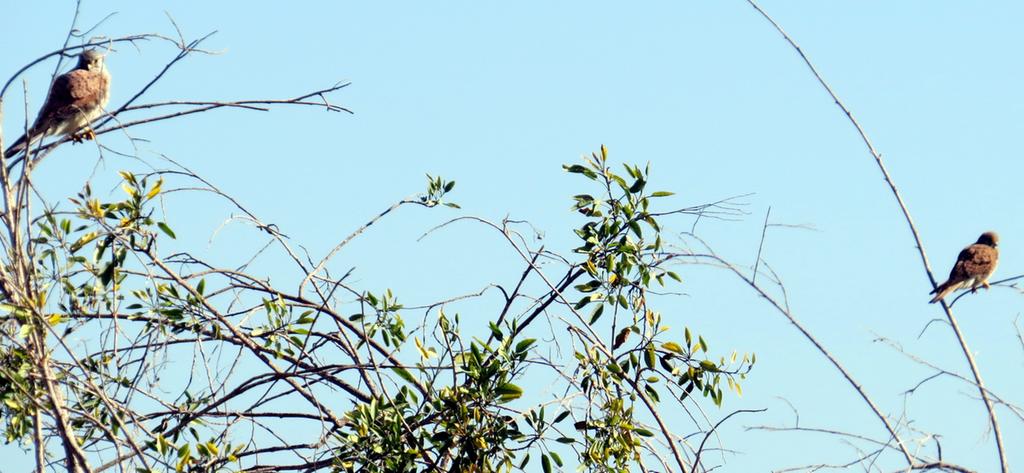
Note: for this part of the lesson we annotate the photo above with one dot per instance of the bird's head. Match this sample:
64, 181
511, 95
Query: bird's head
91, 60
989, 238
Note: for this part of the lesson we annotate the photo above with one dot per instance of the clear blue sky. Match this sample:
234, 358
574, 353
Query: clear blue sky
498, 96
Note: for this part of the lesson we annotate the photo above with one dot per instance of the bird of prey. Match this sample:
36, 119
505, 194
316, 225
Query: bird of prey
973, 267
75, 99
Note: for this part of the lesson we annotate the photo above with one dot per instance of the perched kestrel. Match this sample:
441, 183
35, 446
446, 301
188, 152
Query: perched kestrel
75, 99
973, 267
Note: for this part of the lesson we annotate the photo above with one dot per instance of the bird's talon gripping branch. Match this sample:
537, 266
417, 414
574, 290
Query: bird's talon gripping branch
85, 135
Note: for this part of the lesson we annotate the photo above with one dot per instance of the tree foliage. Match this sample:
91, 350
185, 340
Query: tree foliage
119, 353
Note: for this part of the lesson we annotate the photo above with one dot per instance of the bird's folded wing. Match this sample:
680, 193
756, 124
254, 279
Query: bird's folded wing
977, 260
72, 93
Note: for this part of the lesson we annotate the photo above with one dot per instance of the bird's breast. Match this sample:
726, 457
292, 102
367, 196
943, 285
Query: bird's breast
105, 89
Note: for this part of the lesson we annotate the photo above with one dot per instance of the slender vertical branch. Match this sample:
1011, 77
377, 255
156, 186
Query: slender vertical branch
913, 230
760, 246
37, 439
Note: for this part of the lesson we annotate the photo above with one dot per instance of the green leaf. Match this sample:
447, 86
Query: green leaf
582, 302
156, 189
652, 393
163, 226
637, 186
545, 463
108, 273
665, 363
622, 302
509, 391
588, 287
636, 228
662, 194
440, 437
525, 345
649, 356
496, 331
84, 240
404, 374
672, 346
556, 458
596, 314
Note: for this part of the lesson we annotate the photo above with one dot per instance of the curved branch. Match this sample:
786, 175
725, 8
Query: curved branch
821, 348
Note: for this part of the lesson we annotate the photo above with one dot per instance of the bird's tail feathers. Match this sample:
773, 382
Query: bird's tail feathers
943, 290
21, 143
15, 148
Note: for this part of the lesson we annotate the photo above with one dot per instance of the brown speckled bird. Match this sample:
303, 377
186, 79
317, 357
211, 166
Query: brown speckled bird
75, 99
973, 267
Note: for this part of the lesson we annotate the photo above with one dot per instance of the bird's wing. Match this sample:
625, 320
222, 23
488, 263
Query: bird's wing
978, 260
959, 271
72, 93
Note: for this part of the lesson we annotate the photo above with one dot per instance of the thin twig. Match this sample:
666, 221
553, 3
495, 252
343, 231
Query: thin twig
760, 246
821, 349
700, 449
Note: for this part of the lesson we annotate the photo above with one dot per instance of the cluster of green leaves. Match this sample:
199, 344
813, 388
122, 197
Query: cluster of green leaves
16, 393
381, 316
454, 407
112, 228
381, 436
464, 423
211, 454
285, 332
81, 282
622, 245
437, 188
82, 254
461, 423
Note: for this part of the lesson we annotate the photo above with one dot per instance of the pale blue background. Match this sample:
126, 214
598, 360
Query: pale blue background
498, 96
